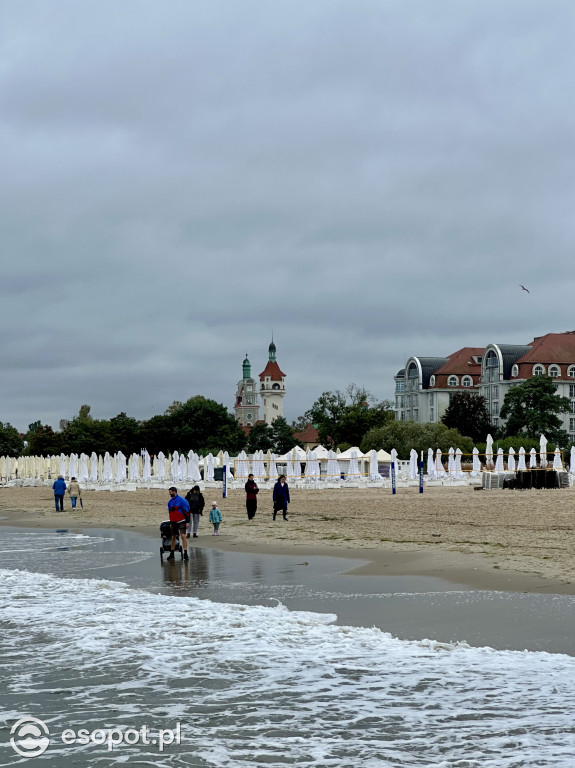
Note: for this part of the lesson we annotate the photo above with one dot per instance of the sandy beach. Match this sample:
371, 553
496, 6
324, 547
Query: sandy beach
507, 540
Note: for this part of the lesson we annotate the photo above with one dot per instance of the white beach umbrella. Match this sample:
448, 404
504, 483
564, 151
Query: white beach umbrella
333, 470
107, 476
532, 458
451, 463
147, 471
521, 463
459, 473
62, 470
9, 465
489, 451
499, 466
226, 463
54, 466
100, 467
121, 468
134, 467
374, 475
83, 474
511, 460
412, 464
439, 463
2, 467
476, 468
353, 470
431, 473
161, 467
272, 467
209, 468
572, 461
315, 466
542, 451
175, 467
259, 467
242, 466
308, 473
73, 465
182, 469
557, 460
93, 477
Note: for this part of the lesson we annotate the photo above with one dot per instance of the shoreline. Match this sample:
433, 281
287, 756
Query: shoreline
480, 567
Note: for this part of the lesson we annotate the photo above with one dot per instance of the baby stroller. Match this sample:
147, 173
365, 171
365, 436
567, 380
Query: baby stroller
166, 546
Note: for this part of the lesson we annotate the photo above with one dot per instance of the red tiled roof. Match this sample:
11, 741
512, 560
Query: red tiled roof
551, 348
460, 363
272, 370
307, 435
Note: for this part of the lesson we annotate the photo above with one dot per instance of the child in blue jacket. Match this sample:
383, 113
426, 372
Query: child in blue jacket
215, 517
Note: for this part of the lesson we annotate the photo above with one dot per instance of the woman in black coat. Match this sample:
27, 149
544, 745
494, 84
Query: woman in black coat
281, 497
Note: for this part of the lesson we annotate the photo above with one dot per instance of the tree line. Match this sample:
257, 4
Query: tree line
343, 419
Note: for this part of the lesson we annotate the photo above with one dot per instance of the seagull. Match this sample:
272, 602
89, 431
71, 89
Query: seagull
523, 288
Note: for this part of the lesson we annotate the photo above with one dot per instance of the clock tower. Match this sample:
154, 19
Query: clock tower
247, 407
272, 387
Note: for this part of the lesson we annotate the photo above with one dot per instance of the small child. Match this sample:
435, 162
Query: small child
215, 517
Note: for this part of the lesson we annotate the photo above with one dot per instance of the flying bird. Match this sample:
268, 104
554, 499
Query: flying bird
523, 288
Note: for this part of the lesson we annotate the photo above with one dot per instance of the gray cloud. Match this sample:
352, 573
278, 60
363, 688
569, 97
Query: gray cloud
368, 180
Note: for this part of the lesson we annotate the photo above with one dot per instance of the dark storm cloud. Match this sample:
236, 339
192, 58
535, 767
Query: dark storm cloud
369, 180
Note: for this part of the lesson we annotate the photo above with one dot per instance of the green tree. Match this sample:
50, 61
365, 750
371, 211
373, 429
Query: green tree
82, 435
260, 437
405, 435
42, 440
11, 444
125, 434
532, 408
467, 412
282, 436
347, 417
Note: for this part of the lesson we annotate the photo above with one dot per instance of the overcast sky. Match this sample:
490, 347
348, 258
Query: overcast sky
371, 180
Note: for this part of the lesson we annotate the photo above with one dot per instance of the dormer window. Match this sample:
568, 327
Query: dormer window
515, 370
554, 371
538, 370
452, 381
571, 371
467, 381
432, 381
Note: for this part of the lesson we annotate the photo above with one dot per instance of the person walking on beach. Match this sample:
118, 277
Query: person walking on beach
252, 491
281, 497
215, 517
59, 489
75, 492
179, 510
197, 503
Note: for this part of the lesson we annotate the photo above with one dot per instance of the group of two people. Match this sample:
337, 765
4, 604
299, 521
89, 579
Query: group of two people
185, 517
59, 487
281, 497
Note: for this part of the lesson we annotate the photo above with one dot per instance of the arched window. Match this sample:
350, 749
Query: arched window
538, 370
467, 381
452, 381
275, 386
571, 371
554, 371
432, 381
515, 370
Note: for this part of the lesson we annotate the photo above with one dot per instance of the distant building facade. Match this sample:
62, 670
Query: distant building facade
267, 394
423, 389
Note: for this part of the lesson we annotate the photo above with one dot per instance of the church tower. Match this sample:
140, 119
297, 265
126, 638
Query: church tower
272, 387
247, 408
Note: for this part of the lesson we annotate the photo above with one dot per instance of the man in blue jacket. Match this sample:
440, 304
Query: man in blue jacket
59, 488
281, 496
179, 510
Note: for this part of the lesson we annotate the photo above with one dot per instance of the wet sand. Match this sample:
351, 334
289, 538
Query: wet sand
497, 540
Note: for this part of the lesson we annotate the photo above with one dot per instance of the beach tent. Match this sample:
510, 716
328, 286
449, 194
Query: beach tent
295, 453
321, 453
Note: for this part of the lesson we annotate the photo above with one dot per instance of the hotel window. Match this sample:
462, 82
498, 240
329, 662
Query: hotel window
467, 381
495, 422
494, 391
572, 409
571, 425
554, 371
492, 366
416, 414
515, 370
432, 414
452, 381
538, 370
571, 371
571, 390
400, 386
495, 407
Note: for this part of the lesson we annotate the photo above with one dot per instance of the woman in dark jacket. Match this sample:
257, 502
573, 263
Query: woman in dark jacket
196, 501
252, 491
281, 497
